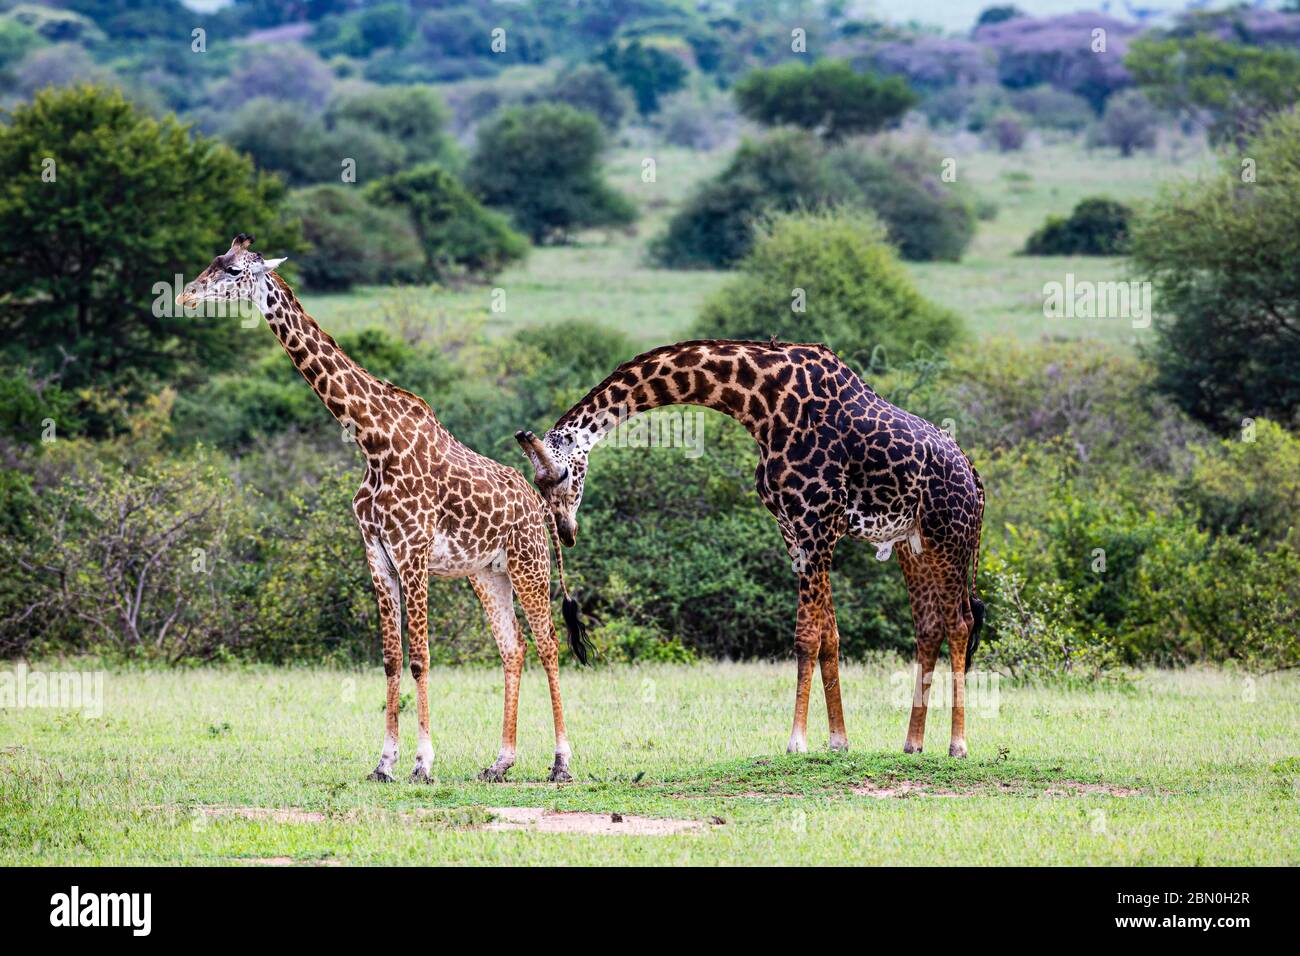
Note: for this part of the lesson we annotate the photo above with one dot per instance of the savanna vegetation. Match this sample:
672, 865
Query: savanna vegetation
495, 222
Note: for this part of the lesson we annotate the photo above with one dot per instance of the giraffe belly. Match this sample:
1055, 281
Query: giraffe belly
885, 531
448, 560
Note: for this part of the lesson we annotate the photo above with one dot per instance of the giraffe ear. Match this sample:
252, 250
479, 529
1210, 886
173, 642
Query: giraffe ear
272, 264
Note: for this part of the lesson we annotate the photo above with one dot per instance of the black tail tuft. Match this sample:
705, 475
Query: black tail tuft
977, 612
579, 643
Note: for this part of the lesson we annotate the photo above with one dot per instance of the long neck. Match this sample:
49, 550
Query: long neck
368, 408
749, 381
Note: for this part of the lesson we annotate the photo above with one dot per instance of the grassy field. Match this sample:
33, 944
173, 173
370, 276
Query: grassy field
188, 767
605, 277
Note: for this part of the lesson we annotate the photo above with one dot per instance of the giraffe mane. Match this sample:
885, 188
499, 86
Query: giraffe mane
664, 350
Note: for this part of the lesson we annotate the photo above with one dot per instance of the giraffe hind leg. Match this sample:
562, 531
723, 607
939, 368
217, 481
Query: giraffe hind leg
495, 593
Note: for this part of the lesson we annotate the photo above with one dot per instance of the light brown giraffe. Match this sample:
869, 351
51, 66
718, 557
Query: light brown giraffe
835, 460
428, 506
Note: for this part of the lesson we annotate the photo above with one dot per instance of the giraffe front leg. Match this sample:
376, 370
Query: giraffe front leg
415, 588
927, 652
388, 595
498, 599
829, 657
807, 646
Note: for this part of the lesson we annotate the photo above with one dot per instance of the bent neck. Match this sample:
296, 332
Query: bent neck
368, 408
748, 381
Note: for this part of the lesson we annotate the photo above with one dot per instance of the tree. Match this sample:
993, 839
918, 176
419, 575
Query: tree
1233, 87
542, 163
130, 201
715, 226
593, 88
1221, 254
354, 242
998, 14
1129, 123
459, 236
827, 96
648, 72
412, 117
827, 277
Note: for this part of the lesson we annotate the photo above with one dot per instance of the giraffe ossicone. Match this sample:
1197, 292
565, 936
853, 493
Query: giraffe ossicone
428, 506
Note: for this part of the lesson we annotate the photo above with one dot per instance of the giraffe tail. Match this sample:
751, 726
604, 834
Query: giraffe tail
976, 605
579, 642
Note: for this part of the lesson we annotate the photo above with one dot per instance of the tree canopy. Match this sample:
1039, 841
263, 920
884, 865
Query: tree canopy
827, 96
99, 203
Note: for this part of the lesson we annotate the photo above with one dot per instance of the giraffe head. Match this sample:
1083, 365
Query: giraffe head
560, 467
234, 276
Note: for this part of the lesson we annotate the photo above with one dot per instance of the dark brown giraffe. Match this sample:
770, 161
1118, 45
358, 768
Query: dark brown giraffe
428, 506
835, 459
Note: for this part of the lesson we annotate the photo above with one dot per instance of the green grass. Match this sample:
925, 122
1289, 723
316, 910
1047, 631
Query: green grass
605, 277
1213, 759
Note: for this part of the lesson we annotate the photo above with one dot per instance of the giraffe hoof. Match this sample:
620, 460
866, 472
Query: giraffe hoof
839, 744
381, 776
957, 748
419, 775
910, 748
560, 775
493, 775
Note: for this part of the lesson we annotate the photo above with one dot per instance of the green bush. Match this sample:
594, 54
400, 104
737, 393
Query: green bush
927, 218
787, 171
830, 278
542, 163
413, 118
715, 227
460, 237
352, 241
1248, 485
1096, 227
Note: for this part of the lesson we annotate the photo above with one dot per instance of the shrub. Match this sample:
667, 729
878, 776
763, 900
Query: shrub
542, 163
827, 97
1225, 340
1033, 635
1129, 123
1096, 227
1007, 132
830, 278
715, 227
927, 218
354, 242
460, 237
1248, 485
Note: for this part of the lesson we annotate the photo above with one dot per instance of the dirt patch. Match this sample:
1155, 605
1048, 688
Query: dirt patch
541, 820
1076, 788
903, 789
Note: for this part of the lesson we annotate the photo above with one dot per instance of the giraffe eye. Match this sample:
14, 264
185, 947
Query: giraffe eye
232, 271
